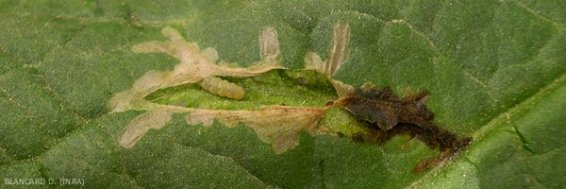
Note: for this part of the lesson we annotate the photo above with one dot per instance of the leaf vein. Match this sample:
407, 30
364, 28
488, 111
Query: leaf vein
244, 168
538, 14
500, 118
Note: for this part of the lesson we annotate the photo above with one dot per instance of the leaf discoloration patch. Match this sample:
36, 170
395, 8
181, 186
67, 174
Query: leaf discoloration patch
338, 54
136, 129
276, 125
195, 65
389, 115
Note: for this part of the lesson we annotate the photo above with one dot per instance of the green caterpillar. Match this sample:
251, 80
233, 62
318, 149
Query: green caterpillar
222, 88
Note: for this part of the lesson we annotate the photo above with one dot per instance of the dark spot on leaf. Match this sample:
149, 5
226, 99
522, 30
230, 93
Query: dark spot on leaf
389, 115
358, 137
302, 80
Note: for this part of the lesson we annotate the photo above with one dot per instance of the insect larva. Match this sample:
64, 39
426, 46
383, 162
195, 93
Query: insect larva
222, 88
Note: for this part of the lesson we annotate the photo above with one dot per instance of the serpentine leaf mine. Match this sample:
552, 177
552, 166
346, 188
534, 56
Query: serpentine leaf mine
382, 113
200, 67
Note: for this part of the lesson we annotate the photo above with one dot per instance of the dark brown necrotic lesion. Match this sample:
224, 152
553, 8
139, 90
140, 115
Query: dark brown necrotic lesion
389, 115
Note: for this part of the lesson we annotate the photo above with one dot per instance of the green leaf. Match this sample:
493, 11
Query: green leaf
495, 69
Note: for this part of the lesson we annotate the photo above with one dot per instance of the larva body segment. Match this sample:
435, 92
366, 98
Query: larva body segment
222, 88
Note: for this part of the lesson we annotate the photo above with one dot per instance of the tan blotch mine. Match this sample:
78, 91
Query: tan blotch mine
153, 119
194, 66
276, 125
337, 56
279, 126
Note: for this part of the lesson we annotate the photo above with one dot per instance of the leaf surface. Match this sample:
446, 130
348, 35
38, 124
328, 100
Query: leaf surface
495, 69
